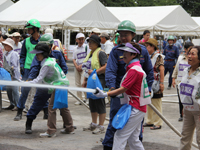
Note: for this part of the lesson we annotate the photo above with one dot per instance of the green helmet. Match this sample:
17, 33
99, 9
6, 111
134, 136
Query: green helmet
33, 23
46, 38
170, 37
126, 25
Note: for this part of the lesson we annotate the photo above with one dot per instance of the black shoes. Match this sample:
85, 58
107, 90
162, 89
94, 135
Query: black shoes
9, 107
19, 115
28, 126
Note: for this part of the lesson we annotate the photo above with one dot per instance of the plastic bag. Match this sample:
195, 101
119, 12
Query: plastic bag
155, 86
4, 75
122, 117
93, 82
60, 99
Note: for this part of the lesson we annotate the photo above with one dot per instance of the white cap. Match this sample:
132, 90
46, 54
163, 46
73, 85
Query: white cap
79, 35
16, 34
96, 30
7, 34
9, 42
48, 30
49, 34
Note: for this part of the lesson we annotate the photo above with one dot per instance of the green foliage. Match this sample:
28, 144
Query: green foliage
129, 3
191, 6
118, 3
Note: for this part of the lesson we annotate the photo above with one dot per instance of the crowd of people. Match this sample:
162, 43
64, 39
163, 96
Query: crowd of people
134, 70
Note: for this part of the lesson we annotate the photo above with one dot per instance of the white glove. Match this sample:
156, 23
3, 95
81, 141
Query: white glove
100, 93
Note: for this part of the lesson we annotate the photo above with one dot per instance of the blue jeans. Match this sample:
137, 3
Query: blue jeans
13, 94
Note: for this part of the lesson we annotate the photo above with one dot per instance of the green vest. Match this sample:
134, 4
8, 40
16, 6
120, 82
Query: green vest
29, 56
58, 77
95, 64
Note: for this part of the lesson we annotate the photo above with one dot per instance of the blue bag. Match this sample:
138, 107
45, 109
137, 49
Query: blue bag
4, 75
60, 99
93, 82
122, 117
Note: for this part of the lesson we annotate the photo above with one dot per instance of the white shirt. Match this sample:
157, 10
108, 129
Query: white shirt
12, 59
79, 54
17, 48
107, 47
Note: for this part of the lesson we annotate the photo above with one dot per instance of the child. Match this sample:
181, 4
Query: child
12, 59
51, 73
132, 86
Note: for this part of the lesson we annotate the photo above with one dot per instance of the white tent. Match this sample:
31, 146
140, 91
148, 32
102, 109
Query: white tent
161, 19
5, 4
197, 20
66, 14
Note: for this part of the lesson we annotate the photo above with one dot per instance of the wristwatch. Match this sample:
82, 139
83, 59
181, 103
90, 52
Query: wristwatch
161, 82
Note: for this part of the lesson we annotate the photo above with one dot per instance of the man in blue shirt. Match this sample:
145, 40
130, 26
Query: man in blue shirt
171, 53
41, 96
115, 71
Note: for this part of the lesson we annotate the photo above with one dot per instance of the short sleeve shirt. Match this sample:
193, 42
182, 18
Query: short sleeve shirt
79, 54
108, 47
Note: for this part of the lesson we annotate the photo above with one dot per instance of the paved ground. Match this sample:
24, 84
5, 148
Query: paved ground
12, 136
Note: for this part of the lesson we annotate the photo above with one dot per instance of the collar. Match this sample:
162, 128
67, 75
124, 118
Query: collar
195, 72
152, 54
81, 46
43, 61
9, 52
129, 64
34, 39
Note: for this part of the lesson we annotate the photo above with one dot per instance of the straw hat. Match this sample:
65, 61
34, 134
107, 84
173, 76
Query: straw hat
153, 42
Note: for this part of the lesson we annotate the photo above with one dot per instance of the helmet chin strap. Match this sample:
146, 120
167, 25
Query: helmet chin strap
33, 31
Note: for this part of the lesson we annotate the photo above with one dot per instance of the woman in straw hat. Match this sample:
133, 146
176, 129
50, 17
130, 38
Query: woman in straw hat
153, 120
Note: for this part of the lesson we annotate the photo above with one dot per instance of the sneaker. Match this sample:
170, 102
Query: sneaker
25, 110
63, 131
45, 135
99, 130
169, 88
77, 103
180, 119
91, 127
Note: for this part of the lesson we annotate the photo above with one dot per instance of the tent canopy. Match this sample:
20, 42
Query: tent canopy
160, 18
5, 4
63, 13
197, 20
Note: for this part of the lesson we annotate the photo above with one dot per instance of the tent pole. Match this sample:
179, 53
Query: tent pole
153, 32
62, 33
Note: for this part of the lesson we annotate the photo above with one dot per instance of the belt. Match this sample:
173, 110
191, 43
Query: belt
169, 60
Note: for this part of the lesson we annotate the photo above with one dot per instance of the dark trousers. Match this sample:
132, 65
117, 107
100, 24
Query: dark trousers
40, 101
169, 67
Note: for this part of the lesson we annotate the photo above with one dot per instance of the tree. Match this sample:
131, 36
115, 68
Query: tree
118, 3
191, 6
